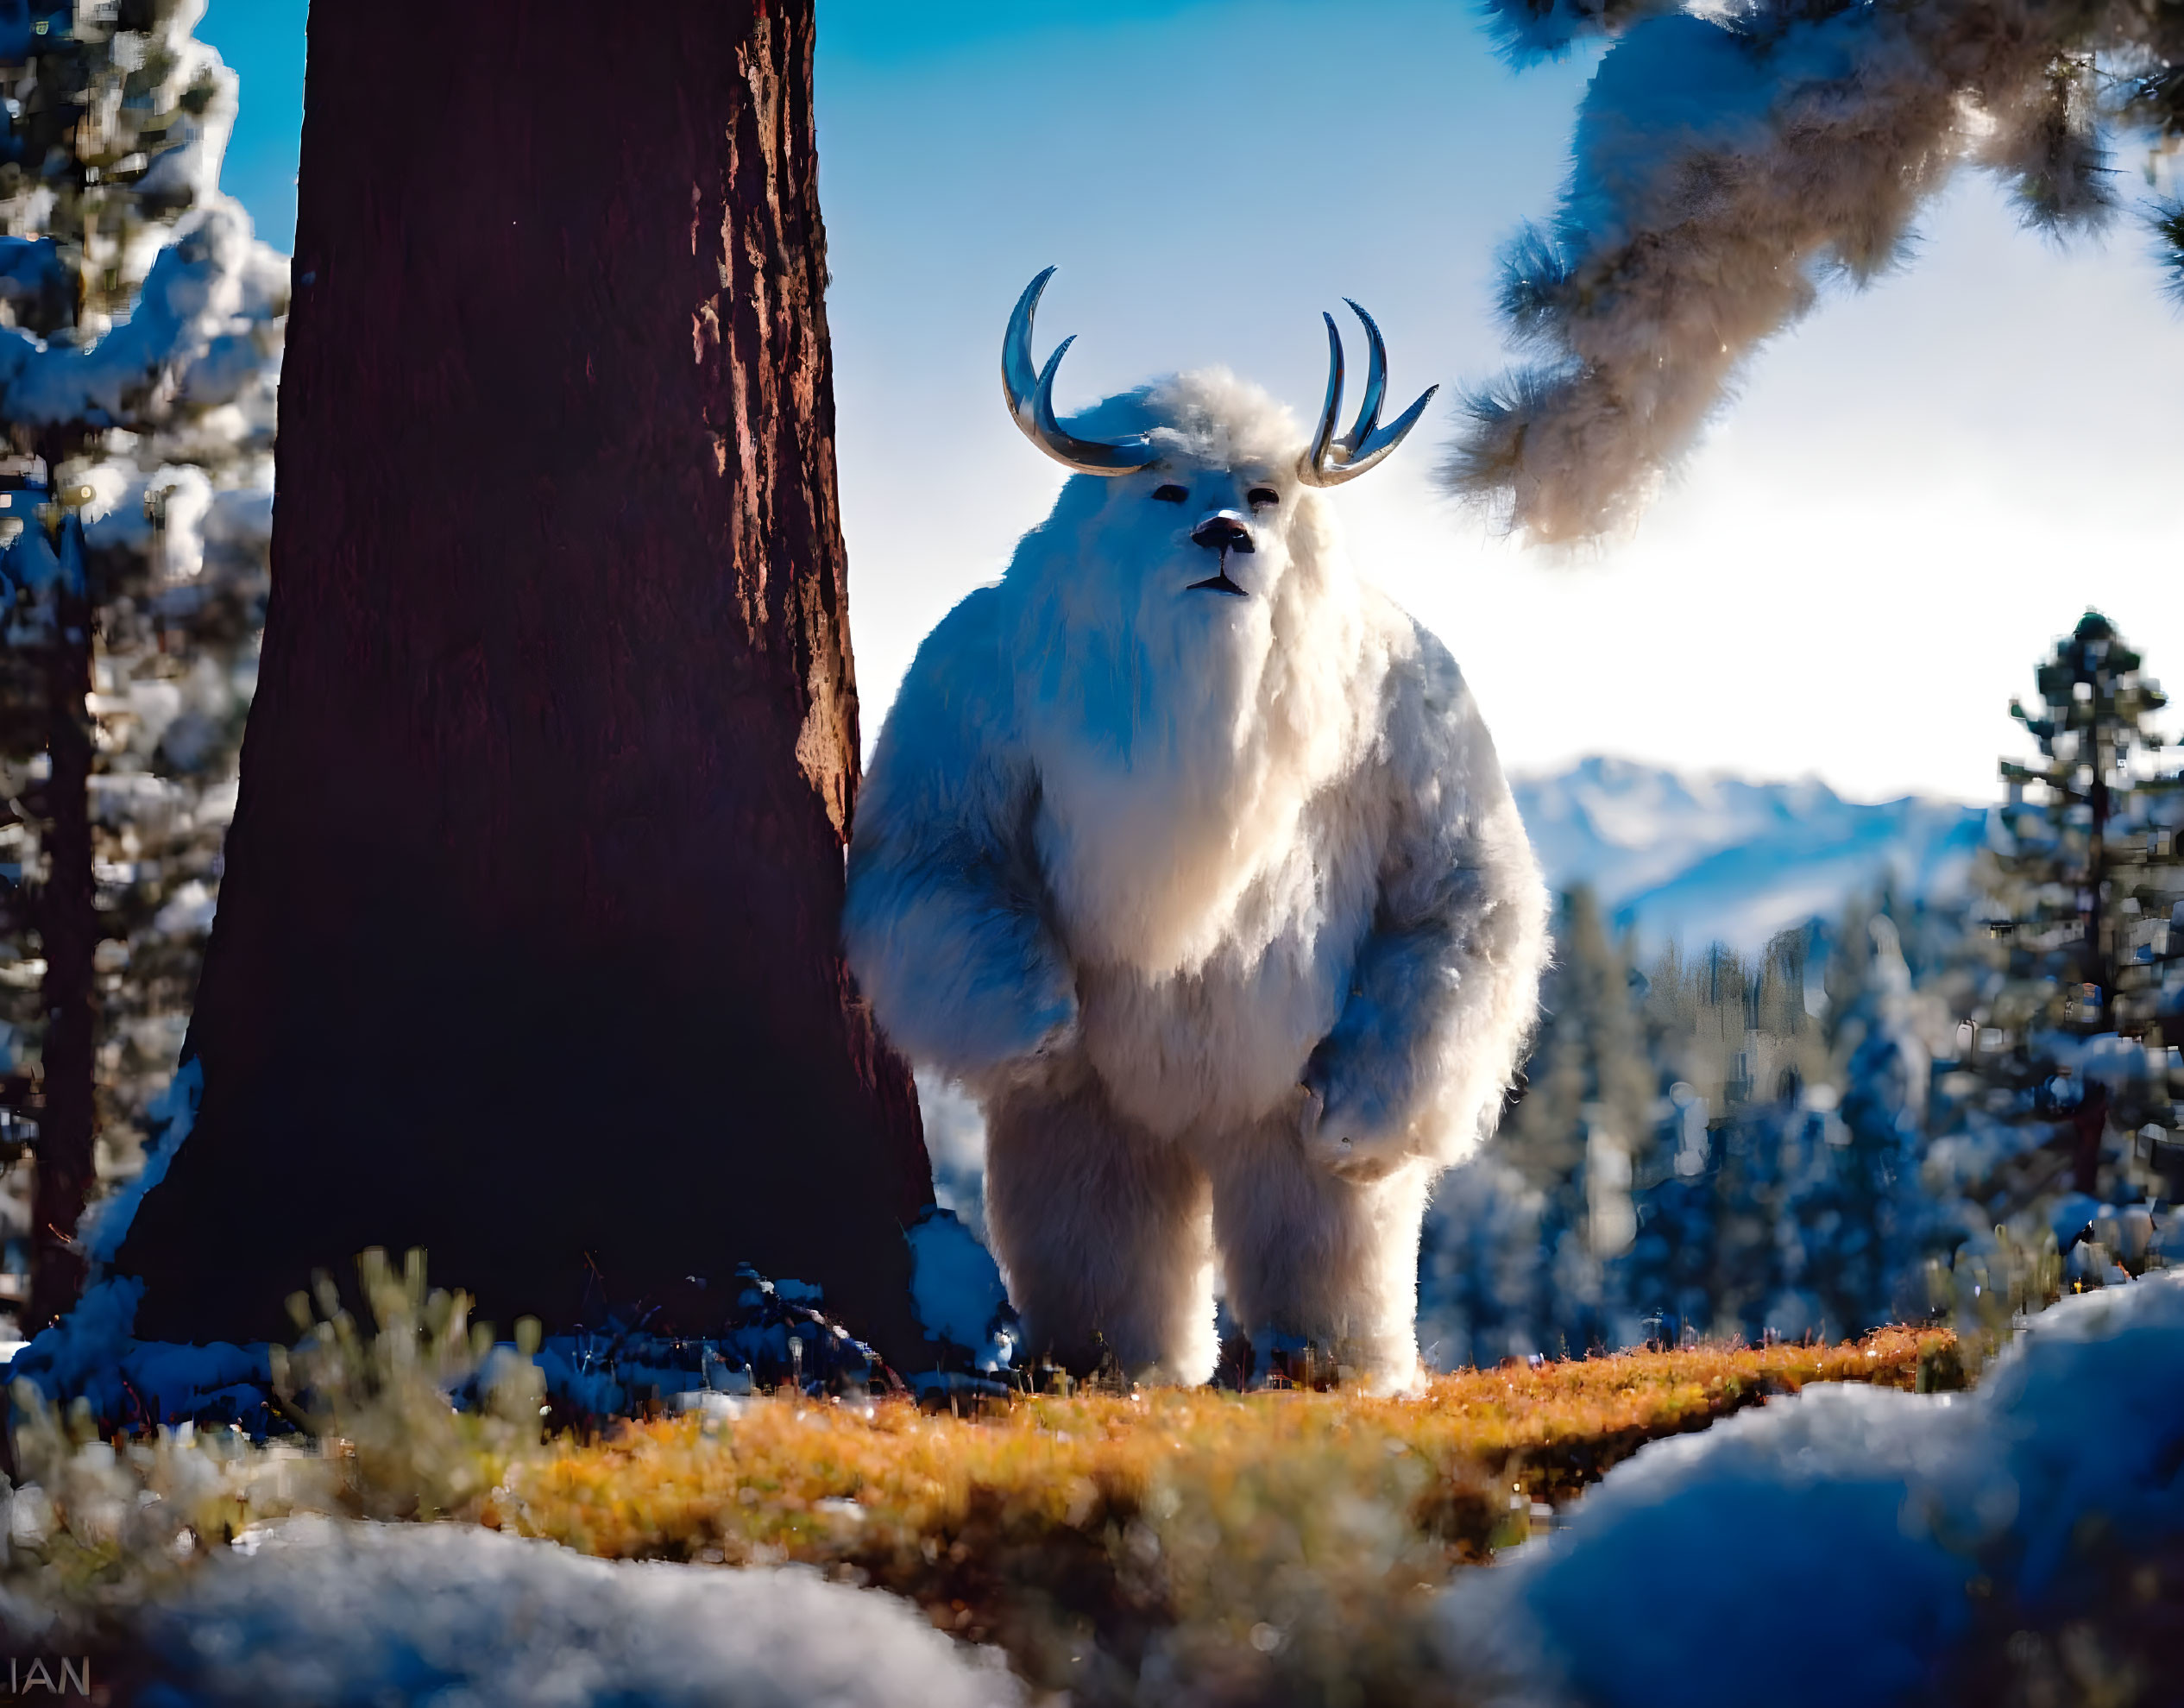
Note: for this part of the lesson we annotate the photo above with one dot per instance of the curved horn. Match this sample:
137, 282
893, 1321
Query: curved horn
1331, 461
1375, 386
1028, 390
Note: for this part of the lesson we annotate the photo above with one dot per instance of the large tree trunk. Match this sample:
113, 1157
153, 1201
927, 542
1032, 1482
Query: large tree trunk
527, 944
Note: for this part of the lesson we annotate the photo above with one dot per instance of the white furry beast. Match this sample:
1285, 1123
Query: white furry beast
1215, 897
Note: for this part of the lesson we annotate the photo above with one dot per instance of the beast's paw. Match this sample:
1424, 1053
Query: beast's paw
1339, 1140
1059, 1043
1044, 1062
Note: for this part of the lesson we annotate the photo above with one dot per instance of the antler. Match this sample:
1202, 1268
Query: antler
1029, 393
1331, 461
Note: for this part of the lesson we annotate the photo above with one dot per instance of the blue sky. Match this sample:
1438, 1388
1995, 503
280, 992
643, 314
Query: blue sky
1917, 489
262, 42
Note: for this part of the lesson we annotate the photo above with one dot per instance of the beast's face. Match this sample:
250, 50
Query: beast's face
1158, 595
1202, 496
1190, 548
1208, 519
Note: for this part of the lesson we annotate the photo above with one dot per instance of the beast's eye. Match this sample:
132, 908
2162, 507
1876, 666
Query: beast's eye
1263, 497
1170, 493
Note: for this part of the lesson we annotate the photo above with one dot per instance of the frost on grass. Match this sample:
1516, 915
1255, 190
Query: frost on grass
1928, 1534
1724, 165
333, 1614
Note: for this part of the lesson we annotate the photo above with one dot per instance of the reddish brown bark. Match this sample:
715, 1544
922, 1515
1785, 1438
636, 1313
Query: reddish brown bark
527, 946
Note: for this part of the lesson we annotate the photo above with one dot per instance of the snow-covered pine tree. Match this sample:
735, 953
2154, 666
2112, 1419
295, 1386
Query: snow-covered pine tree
1856, 1214
1483, 1287
1738, 1031
1638, 1187
1710, 1213
140, 339
1583, 1129
1747, 1214
2084, 888
1669, 1277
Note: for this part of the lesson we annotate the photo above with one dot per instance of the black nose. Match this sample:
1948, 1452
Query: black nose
1222, 534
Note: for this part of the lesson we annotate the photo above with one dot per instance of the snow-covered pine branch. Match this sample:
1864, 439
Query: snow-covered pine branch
140, 329
1726, 163
197, 339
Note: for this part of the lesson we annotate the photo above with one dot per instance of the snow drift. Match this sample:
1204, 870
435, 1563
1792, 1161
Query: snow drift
1886, 1519
331, 1614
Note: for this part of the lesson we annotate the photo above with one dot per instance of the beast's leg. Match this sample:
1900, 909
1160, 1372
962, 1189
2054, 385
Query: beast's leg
1104, 1234
1313, 1260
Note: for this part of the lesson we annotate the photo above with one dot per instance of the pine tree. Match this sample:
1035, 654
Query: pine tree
2084, 884
1792, 1209
1583, 1129
1736, 1031
1669, 1276
140, 335
1765, 1129
1483, 1290
1856, 1212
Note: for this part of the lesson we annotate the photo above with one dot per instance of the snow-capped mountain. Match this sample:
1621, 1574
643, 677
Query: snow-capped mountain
1702, 859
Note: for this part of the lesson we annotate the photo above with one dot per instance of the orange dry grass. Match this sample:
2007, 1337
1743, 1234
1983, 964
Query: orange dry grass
1109, 1516
755, 1484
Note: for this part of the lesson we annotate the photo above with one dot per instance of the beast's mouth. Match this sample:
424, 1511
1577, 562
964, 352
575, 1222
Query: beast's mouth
1217, 582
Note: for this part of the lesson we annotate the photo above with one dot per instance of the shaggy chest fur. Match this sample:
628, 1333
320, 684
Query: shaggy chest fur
1224, 1040
1213, 878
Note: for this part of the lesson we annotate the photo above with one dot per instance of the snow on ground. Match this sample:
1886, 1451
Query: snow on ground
332, 1614
957, 1290
170, 1116
1875, 1519
777, 1334
92, 1354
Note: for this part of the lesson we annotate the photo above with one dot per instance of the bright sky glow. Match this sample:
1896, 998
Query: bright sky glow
1917, 490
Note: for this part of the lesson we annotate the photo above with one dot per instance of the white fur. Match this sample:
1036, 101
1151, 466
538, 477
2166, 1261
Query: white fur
1220, 906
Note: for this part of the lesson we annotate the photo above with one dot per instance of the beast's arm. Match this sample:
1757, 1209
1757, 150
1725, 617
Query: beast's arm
943, 922
1443, 991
